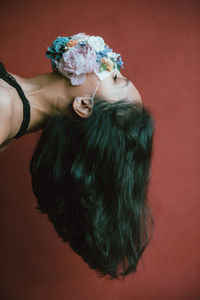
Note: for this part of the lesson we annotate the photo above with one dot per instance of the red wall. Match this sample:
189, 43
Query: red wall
160, 45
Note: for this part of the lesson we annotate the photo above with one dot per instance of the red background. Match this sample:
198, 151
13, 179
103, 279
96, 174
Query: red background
159, 43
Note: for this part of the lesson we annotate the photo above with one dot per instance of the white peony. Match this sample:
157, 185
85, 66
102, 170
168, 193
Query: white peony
96, 42
80, 37
113, 55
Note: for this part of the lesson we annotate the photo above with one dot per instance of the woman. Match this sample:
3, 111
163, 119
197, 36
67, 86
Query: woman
91, 167
49, 94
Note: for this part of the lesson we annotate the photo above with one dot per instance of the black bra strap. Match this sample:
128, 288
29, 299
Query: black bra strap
26, 106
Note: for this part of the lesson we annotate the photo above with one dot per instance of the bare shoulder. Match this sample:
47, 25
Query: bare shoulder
5, 113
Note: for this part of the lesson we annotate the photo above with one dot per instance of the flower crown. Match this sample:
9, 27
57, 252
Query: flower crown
75, 56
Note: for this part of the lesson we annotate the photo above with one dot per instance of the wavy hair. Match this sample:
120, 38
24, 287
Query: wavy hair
91, 177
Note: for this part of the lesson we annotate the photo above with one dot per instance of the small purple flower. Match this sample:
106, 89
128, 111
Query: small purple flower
79, 61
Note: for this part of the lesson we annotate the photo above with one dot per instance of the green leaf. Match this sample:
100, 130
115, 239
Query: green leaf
103, 68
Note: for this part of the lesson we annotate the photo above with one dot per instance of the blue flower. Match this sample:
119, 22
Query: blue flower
53, 65
119, 62
57, 48
103, 53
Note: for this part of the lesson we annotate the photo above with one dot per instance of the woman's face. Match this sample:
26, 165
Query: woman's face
114, 87
117, 87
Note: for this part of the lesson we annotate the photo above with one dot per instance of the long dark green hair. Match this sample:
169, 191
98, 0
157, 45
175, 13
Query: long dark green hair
91, 177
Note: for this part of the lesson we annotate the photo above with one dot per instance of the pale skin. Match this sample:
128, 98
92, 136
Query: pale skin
52, 93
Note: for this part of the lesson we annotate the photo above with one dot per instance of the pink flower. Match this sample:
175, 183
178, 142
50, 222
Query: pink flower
78, 61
